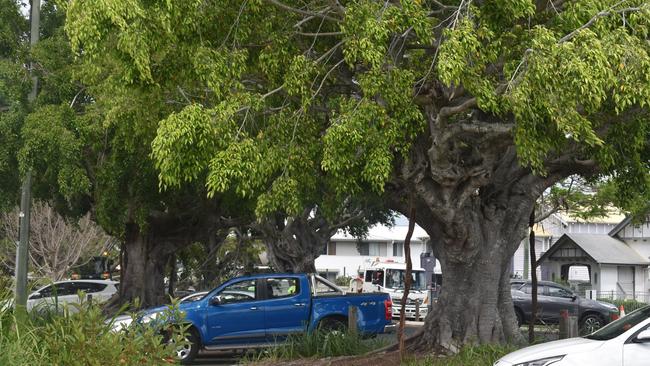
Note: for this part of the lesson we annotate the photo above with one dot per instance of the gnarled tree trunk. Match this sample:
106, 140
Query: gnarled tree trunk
145, 258
474, 201
293, 245
475, 303
147, 251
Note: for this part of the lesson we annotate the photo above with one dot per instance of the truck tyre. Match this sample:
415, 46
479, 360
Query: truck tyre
332, 325
187, 352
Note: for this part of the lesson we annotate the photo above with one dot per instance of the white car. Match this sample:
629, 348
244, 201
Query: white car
67, 292
625, 342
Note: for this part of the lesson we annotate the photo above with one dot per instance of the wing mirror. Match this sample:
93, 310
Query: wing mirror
643, 337
216, 300
574, 298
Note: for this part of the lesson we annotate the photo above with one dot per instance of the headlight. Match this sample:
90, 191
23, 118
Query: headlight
542, 361
610, 307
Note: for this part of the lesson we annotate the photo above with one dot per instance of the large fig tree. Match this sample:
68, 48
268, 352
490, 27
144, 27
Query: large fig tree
471, 109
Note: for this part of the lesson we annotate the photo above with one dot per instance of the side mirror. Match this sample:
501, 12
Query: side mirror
216, 300
574, 298
643, 337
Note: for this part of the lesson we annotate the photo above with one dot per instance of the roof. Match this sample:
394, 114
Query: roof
384, 233
621, 225
601, 248
613, 217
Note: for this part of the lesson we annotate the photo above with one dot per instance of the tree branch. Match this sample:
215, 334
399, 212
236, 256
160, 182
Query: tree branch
600, 15
303, 12
448, 111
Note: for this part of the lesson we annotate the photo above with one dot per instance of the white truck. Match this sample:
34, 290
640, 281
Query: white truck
388, 277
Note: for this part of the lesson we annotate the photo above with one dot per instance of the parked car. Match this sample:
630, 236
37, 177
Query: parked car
259, 310
553, 298
62, 293
624, 342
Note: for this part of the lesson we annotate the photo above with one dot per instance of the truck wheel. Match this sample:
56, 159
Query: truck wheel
332, 325
187, 352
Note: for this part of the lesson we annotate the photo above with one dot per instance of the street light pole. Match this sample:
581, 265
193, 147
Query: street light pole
22, 254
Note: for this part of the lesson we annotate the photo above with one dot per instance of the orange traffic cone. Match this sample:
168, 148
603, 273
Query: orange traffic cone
621, 311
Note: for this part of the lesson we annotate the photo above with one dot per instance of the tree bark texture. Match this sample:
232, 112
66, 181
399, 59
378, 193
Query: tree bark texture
145, 259
407, 284
148, 249
474, 200
533, 277
294, 243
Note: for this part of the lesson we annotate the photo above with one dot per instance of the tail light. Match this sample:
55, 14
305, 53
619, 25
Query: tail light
388, 307
614, 316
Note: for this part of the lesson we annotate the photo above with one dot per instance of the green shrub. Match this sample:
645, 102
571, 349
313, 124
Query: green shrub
629, 305
318, 345
342, 281
80, 338
484, 355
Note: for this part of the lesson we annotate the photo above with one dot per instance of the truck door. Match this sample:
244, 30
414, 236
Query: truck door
286, 306
235, 314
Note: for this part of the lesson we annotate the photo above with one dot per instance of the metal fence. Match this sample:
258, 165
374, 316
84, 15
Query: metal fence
629, 301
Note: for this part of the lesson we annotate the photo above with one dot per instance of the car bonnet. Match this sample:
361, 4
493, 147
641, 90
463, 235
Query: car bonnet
556, 348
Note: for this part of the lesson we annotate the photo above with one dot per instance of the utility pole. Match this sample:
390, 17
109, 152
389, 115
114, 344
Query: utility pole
22, 254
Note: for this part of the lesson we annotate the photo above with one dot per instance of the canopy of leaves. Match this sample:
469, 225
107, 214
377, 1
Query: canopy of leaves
287, 100
14, 86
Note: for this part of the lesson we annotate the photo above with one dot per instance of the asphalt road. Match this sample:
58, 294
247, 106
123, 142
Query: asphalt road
213, 358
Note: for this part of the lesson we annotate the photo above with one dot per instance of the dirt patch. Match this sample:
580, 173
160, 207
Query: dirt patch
376, 359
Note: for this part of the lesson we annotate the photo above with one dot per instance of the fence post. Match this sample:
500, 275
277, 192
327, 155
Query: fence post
417, 311
352, 319
568, 325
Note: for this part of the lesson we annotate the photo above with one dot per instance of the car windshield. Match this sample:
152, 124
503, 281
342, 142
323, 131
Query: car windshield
195, 297
395, 279
621, 326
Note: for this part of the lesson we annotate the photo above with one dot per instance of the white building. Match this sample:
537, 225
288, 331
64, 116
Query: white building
346, 255
550, 230
617, 261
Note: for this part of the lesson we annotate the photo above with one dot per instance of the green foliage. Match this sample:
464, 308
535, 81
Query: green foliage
629, 305
343, 281
319, 345
53, 146
484, 355
81, 338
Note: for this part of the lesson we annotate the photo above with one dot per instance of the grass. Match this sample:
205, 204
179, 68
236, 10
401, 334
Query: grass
318, 345
484, 355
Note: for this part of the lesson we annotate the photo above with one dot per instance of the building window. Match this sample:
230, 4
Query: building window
362, 248
331, 248
371, 249
398, 249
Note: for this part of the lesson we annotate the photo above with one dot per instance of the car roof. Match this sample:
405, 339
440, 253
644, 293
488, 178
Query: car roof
103, 282
547, 283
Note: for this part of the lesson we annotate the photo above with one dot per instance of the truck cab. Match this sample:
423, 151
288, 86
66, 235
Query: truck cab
261, 310
388, 277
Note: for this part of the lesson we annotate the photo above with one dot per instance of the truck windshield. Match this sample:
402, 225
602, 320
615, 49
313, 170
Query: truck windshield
622, 325
395, 279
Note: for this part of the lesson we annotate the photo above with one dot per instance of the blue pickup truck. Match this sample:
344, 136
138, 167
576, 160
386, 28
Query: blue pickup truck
258, 310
